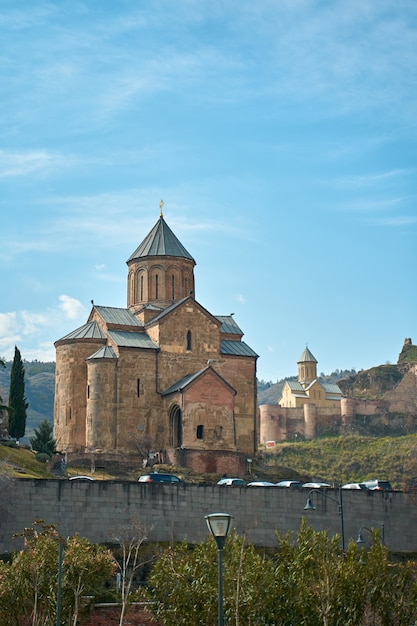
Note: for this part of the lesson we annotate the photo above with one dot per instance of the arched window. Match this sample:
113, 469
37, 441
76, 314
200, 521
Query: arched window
175, 427
189, 340
141, 288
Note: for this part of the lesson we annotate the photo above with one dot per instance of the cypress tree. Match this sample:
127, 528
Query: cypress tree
43, 440
17, 400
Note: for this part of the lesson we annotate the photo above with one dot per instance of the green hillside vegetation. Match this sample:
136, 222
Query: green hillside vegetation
344, 459
21, 463
334, 460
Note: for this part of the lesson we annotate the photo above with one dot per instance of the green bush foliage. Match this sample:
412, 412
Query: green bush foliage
308, 582
29, 583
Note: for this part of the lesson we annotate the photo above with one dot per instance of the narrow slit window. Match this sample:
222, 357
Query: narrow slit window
156, 287
88, 391
200, 431
189, 340
173, 287
138, 387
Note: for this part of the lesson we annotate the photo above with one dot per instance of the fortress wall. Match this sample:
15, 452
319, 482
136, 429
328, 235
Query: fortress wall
172, 513
278, 423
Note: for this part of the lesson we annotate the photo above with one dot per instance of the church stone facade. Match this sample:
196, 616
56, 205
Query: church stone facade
163, 368
304, 405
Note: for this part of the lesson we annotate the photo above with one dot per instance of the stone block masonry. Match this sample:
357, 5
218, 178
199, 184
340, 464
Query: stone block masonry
172, 513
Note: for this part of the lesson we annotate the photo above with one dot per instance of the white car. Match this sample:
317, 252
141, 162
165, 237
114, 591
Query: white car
261, 483
292, 484
316, 485
355, 486
231, 482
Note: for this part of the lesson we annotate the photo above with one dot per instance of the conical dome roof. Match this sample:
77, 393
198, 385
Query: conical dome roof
307, 357
161, 241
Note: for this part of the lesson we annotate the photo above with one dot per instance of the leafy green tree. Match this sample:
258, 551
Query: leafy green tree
318, 585
308, 582
86, 567
43, 440
183, 584
17, 400
29, 584
391, 587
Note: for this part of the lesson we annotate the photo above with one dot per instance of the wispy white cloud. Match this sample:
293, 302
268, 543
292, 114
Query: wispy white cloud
365, 180
9, 333
22, 163
71, 307
32, 322
397, 220
370, 205
29, 329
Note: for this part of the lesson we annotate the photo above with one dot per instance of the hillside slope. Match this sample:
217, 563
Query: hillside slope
39, 391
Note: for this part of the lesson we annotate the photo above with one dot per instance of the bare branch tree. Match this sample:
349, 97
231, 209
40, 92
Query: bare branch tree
130, 537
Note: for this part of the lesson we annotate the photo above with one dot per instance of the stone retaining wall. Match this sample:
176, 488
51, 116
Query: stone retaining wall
172, 513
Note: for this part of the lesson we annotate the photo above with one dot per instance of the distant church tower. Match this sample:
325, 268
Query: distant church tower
307, 368
161, 270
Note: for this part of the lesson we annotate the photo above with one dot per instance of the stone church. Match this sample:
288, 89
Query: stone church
308, 388
164, 368
305, 405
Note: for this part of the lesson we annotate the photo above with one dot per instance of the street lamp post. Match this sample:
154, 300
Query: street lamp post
310, 507
219, 526
360, 538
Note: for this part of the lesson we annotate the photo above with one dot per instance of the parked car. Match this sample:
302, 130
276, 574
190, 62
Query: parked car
354, 486
261, 483
231, 482
81, 478
156, 477
293, 484
380, 485
317, 485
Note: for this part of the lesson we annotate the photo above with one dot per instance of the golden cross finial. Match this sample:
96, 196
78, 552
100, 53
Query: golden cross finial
161, 204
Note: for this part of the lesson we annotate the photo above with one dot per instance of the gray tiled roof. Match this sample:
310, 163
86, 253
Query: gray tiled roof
115, 315
189, 378
294, 385
91, 330
167, 310
236, 348
125, 339
106, 352
331, 388
228, 325
183, 382
307, 357
161, 241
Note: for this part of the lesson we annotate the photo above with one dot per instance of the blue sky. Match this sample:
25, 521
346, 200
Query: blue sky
281, 135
